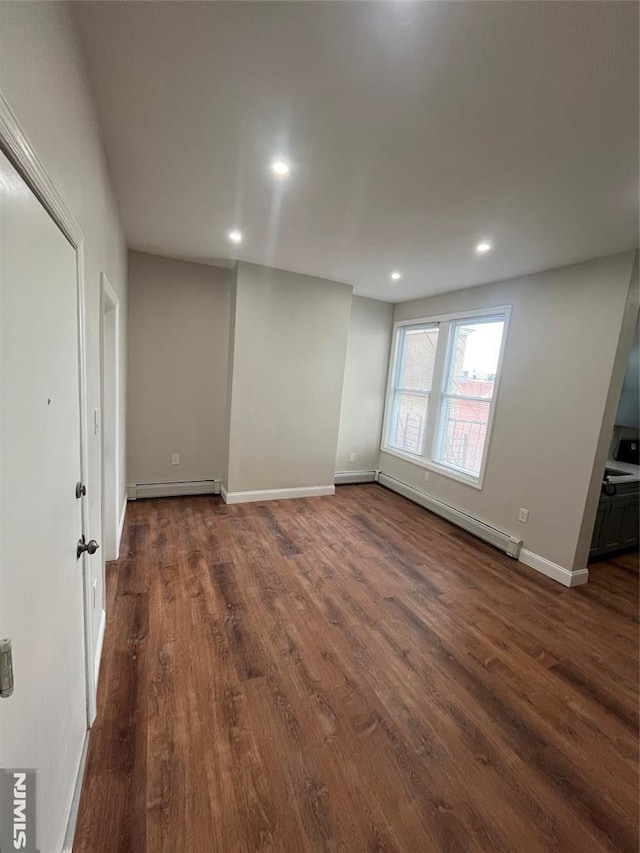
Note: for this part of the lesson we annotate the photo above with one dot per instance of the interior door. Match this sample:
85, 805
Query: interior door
43, 724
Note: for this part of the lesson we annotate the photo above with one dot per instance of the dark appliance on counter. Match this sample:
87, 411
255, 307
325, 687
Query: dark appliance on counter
629, 451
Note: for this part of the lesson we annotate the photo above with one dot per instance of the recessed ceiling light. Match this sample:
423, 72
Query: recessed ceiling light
483, 247
281, 167
235, 236
395, 275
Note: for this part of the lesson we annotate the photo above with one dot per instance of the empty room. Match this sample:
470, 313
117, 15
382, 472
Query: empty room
319, 390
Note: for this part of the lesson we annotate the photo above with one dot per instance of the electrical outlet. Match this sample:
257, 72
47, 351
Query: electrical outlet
175, 458
523, 515
427, 476
352, 457
94, 593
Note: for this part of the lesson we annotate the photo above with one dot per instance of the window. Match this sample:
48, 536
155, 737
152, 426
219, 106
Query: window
416, 348
442, 390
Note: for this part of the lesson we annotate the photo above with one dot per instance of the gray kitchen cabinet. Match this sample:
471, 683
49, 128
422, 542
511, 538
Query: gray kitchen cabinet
631, 523
617, 521
603, 508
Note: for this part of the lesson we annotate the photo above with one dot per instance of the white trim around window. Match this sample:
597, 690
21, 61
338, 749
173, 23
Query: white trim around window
429, 436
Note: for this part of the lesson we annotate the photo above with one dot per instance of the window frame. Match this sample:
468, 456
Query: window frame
444, 322
396, 389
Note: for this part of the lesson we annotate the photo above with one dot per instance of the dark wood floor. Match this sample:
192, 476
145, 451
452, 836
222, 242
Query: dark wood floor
355, 674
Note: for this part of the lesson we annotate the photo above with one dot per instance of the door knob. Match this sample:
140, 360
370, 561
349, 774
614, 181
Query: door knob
90, 547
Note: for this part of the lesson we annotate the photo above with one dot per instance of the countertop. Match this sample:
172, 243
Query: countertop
632, 472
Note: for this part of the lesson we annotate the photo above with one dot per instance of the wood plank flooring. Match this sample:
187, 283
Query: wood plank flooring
356, 674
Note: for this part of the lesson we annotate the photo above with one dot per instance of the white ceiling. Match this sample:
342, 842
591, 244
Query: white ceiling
414, 130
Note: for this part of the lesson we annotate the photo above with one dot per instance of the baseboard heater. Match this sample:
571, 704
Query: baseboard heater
137, 491
341, 478
507, 543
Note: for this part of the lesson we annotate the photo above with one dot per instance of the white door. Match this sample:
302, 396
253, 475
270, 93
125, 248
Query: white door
43, 724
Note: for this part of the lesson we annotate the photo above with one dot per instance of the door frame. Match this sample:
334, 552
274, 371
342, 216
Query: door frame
109, 302
20, 151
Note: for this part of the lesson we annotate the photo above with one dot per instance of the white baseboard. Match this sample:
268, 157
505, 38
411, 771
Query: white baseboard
67, 846
553, 570
343, 477
99, 643
499, 538
277, 494
223, 493
136, 491
123, 514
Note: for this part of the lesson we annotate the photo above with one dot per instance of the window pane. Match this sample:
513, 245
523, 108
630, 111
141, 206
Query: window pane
475, 349
462, 433
417, 356
408, 422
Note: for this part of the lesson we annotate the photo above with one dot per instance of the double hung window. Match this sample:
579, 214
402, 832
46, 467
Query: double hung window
442, 391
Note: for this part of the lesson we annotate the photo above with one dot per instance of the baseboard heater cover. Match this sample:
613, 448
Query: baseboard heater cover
136, 491
507, 543
341, 478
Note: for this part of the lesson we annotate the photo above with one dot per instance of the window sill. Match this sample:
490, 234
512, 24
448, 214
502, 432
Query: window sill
451, 473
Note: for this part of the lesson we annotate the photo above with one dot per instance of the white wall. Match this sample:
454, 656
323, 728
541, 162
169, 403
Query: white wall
290, 337
560, 355
42, 77
365, 381
112, 491
233, 284
628, 321
178, 356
